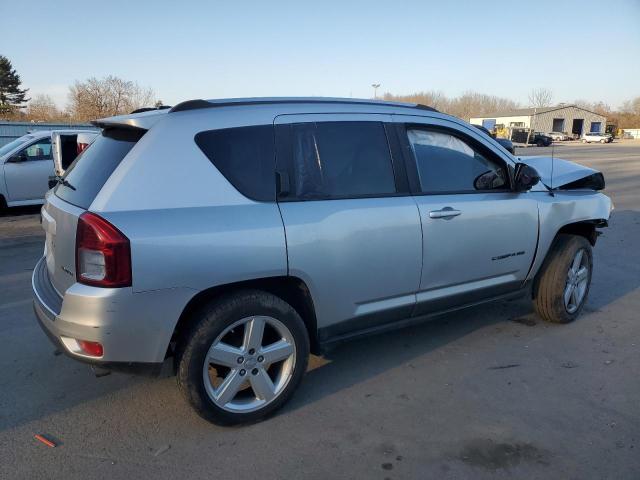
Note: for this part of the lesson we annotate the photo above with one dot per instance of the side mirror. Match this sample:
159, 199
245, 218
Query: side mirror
18, 158
525, 177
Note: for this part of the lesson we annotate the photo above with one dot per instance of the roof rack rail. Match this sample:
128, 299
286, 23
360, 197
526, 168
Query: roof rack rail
234, 102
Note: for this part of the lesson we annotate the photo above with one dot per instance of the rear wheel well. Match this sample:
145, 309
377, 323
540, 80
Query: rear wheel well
3, 202
290, 289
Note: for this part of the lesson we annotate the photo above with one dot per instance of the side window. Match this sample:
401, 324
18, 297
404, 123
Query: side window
245, 156
340, 160
39, 151
447, 163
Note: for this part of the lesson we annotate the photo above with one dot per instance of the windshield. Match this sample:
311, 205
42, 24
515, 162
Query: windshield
11, 145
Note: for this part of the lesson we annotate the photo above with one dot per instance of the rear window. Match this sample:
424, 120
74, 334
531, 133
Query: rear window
92, 168
245, 156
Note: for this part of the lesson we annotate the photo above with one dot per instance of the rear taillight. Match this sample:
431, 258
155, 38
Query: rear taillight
103, 253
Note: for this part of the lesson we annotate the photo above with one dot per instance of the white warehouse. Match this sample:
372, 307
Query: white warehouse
562, 118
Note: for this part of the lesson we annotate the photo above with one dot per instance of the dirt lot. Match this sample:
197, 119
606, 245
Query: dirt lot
487, 393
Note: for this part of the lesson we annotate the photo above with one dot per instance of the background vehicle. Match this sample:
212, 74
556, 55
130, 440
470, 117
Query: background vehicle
361, 224
67, 145
559, 136
506, 143
540, 139
25, 167
591, 137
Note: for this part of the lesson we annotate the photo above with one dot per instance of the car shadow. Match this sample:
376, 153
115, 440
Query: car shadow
19, 211
359, 360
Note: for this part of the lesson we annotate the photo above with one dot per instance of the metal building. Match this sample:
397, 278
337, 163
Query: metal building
9, 131
562, 118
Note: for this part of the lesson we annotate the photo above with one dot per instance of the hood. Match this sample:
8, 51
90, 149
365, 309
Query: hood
566, 174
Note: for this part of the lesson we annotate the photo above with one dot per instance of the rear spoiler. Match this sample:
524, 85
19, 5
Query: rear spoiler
140, 121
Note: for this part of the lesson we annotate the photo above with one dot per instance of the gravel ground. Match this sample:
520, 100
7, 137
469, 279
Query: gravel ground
491, 392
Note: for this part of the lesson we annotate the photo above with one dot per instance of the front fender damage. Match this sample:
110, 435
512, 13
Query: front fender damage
560, 174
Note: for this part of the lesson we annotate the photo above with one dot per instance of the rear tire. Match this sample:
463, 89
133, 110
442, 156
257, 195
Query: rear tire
220, 348
562, 285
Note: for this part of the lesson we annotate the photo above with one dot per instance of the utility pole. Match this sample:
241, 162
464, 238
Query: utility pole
375, 90
533, 122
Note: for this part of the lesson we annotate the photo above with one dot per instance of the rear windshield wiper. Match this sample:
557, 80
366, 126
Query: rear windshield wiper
62, 181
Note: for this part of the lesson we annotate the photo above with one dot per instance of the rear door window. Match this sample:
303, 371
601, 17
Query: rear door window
245, 156
331, 160
88, 173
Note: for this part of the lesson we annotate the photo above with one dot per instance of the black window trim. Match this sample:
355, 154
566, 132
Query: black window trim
411, 161
284, 155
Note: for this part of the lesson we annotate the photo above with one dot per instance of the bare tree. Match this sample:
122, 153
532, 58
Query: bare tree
632, 106
42, 108
432, 98
95, 98
540, 97
469, 104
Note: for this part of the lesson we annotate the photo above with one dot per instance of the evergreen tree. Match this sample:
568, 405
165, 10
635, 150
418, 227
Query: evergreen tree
12, 96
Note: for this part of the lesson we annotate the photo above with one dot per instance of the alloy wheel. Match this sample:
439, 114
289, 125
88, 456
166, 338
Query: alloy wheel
577, 282
249, 364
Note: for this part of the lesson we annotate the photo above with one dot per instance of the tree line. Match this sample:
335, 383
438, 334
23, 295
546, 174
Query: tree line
103, 97
473, 104
87, 100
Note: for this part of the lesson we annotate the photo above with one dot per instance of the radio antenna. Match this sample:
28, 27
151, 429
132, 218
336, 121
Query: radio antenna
552, 162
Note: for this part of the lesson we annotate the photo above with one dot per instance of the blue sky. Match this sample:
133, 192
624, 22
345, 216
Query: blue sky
196, 49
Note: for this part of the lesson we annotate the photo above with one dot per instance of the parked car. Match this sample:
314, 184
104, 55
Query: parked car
590, 137
292, 225
504, 142
26, 164
540, 139
559, 136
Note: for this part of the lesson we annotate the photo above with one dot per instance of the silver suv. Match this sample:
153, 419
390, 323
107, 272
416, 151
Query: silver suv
237, 236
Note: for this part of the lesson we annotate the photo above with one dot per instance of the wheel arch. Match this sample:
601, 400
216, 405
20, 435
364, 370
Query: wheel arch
291, 289
584, 228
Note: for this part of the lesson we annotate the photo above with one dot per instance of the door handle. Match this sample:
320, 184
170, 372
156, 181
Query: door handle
446, 212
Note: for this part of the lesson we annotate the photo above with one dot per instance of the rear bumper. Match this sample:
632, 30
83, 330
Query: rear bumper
134, 328
137, 368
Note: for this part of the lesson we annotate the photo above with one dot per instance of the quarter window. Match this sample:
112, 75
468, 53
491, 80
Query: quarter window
447, 163
245, 156
340, 160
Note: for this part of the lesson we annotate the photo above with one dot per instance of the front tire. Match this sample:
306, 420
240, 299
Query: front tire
243, 358
562, 285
